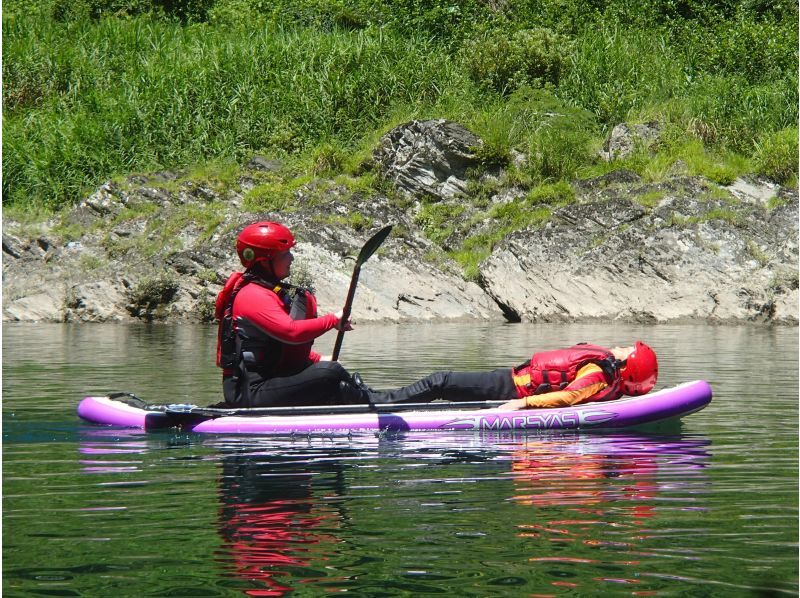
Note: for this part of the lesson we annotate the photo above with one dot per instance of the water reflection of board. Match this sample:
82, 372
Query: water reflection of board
664, 405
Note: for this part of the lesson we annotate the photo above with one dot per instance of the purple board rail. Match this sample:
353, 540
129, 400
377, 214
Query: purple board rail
667, 404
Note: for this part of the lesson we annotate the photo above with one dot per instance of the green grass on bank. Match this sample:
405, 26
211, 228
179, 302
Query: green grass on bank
99, 88
141, 94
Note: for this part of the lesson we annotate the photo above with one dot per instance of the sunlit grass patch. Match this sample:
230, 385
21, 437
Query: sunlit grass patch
354, 220
651, 199
275, 194
438, 220
676, 155
501, 221
776, 156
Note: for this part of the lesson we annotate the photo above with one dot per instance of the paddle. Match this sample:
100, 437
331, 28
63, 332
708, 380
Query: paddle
193, 410
370, 247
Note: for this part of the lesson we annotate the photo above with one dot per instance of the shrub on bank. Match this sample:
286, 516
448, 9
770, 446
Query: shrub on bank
739, 112
616, 72
504, 62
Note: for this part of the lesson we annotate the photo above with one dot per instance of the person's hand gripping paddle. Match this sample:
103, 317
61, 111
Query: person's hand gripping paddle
370, 247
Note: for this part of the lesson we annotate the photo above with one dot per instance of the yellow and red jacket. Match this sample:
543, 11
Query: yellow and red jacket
564, 377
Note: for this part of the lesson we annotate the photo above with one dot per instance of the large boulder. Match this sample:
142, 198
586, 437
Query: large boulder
96, 301
37, 307
396, 285
427, 158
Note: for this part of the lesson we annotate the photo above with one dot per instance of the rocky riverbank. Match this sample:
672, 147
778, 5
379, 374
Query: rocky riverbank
157, 247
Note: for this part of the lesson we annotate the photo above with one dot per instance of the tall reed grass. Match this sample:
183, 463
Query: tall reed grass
617, 71
86, 100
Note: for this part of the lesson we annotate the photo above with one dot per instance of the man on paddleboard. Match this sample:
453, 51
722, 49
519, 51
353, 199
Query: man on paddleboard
561, 378
267, 328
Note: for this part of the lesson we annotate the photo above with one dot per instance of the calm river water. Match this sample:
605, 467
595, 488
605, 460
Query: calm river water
89, 511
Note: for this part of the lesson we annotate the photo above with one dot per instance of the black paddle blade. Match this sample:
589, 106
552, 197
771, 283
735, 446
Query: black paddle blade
371, 246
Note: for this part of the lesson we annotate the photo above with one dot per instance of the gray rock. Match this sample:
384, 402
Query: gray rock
753, 190
625, 138
398, 287
106, 201
264, 164
99, 301
37, 307
615, 260
11, 246
427, 158
165, 176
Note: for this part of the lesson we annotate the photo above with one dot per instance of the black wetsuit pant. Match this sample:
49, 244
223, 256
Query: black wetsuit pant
497, 385
328, 383
318, 384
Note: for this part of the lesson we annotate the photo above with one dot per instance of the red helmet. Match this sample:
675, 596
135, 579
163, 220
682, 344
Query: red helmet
261, 241
640, 371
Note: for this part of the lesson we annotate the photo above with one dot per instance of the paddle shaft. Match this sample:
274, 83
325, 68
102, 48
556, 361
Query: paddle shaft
348, 306
370, 247
332, 409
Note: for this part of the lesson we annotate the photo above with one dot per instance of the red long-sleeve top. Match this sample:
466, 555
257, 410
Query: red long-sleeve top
266, 309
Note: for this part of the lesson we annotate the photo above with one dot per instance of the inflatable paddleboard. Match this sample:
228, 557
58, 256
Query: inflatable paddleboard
126, 410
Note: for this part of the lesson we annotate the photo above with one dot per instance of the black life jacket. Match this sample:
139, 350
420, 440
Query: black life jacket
246, 353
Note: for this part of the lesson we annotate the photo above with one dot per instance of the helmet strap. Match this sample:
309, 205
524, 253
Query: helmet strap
263, 269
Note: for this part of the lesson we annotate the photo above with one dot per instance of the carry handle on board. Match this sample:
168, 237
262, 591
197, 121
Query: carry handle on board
370, 247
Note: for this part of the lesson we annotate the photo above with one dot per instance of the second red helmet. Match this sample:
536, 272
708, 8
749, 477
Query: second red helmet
640, 372
260, 241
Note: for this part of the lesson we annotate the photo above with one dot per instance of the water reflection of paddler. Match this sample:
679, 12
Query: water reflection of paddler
270, 519
582, 486
559, 474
